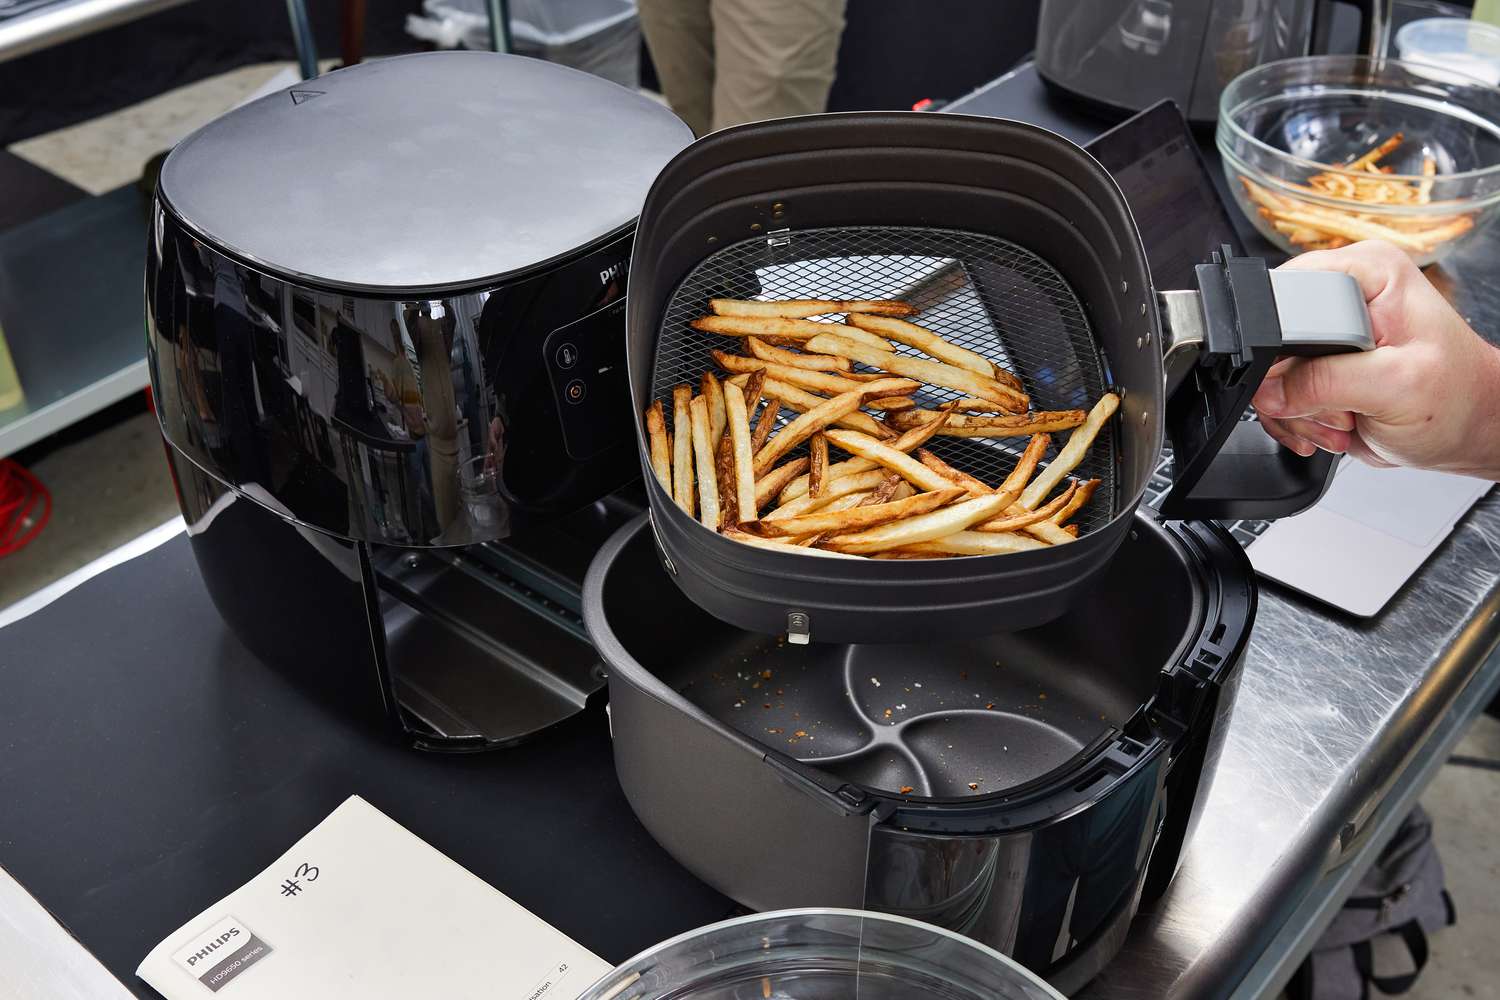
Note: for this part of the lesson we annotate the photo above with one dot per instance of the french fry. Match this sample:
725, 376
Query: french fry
772, 483
931, 372
907, 442
1007, 425
795, 359
934, 346
1072, 453
752, 390
1071, 530
1026, 518
842, 486
802, 401
1378, 152
908, 468
682, 450
935, 524
891, 403
817, 450
1026, 464
972, 404
858, 518
713, 396
775, 326
743, 457
661, 445
815, 419
703, 454
1429, 172
816, 381
971, 543
1081, 496
779, 545
725, 483
766, 424
799, 308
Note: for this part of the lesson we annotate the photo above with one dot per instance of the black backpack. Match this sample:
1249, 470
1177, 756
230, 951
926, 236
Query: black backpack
1401, 898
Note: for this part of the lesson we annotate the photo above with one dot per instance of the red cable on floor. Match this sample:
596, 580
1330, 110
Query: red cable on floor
25, 506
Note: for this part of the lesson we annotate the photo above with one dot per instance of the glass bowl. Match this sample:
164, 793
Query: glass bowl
1328, 150
820, 954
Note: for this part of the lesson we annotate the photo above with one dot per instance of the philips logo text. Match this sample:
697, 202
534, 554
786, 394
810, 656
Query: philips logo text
209, 947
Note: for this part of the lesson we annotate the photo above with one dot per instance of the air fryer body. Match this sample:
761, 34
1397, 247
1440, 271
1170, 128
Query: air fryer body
1050, 872
1125, 55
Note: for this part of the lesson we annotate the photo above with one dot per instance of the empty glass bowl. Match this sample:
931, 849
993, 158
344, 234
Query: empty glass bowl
1328, 150
820, 955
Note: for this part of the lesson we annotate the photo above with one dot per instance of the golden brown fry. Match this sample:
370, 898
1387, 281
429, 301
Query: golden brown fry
971, 543
817, 418
661, 445
898, 462
682, 450
713, 396
799, 308
1429, 173
801, 400
1378, 152
725, 483
752, 390
773, 482
931, 372
907, 442
1350, 227
743, 457
1008, 425
792, 329
779, 545
929, 343
859, 518
1071, 530
703, 454
766, 424
972, 404
842, 486
1024, 518
1081, 496
1072, 453
957, 476
817, 450
1026, 464
921, 528
891, 403
816, 381
795, 359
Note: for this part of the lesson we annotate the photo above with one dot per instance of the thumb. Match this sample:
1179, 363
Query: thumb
1308, 386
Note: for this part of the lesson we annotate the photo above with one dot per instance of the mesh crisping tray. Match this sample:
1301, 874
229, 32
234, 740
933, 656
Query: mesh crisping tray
982, 293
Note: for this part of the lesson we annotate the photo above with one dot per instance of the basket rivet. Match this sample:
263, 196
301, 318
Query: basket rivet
1148, 336
1139, 342
1143, 308
713, 239
755, 227
1124, 285
1145, 416
777, 208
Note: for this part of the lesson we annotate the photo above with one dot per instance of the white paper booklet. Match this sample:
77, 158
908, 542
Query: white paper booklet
362, 909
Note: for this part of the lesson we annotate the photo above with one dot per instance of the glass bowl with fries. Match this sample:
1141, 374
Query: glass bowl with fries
1325, 151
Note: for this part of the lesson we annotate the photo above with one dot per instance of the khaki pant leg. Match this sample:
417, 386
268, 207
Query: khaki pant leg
680, 35
774, 58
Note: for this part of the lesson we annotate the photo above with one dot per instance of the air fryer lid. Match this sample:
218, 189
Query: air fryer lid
422, 173
1036, 234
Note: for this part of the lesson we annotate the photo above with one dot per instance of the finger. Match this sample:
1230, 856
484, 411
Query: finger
1339, 420
1327, 438
1286, 438
1355, 382
1379, 268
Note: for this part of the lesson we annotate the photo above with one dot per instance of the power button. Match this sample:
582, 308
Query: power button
575, 391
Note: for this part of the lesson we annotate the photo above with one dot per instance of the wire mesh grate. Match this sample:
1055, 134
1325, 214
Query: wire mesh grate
979, 292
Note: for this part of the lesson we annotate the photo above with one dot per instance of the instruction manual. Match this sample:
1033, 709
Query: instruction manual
362, 909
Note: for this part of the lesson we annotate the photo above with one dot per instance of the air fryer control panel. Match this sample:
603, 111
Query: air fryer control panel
586, 362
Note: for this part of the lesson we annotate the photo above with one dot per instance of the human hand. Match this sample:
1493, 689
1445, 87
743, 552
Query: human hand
1428, 396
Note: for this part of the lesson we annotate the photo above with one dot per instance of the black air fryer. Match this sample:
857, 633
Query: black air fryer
1011, 746
386, 340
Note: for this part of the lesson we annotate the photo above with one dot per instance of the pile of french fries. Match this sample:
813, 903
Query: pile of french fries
1364, 184
892, 497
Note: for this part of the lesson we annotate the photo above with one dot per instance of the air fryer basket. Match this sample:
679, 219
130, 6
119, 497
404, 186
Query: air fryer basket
1041, 233
988, 295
